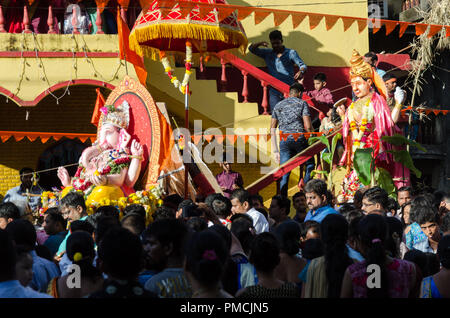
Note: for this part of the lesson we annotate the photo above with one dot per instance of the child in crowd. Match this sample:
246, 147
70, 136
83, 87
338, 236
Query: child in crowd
321, 95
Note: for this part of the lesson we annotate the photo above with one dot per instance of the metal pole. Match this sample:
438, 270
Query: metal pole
186, 140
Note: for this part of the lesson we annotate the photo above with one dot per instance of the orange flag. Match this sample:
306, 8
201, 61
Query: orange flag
125, 52
99, 103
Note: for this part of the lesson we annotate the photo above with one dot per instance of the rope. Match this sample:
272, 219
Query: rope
69, 165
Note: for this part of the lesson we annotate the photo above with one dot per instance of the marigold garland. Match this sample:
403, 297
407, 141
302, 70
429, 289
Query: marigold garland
169, 71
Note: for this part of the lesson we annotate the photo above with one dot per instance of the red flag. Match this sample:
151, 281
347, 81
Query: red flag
126, 53
99, 103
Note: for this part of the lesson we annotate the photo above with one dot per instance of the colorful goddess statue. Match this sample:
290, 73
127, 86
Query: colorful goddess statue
111, 166
365, 122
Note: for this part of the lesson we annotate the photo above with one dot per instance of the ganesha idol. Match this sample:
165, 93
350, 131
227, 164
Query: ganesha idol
110, 167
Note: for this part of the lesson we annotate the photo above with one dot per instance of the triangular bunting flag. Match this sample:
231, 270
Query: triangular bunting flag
56, 137
390, 26
44, 139
231, 138
280, 17
361, 25
19, 138
296, 136
314, 20
347, 23
92, 139
208, 137
5, 138
204, 11
330, 21
297, 18
403, 27
268, 137
375, 30
244, 138
32, 138
421, 28
186, 8
243, 13
260, 16
433, 30
196, 138
224, 13
427, 111
219, 138
257, 138
436, 112
83, 139
165, 7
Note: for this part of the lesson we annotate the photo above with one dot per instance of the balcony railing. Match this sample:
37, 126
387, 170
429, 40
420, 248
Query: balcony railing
58, 20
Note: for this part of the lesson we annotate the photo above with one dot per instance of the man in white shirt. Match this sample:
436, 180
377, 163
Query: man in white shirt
241, 203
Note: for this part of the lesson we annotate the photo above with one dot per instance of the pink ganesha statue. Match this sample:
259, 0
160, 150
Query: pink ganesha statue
108, 169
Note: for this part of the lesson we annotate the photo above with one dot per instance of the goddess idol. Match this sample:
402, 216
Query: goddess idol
365, 122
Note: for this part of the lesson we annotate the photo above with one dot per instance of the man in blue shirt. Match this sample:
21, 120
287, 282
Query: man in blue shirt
23, 233
280, 62
317, 201
10, 286
18, 195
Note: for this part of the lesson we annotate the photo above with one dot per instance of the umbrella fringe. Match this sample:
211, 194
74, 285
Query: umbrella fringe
182, 31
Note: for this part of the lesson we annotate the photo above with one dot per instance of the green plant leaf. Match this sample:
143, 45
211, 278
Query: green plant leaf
326, 156
361, 163
403, 157
314, 172
334, 142
322, 139
384, 180
398, 140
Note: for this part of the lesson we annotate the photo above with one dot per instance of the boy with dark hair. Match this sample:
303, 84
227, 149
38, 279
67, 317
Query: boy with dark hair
164, 212
163, 242
72, 207
55, 226
23, 233
317, 200
280, 62
279, 209
241, 203
428, 219
120, 257
8, 213
299, 203
309, 230
375, 199
133, 222
321, 95
135, 208
404, 194
10, 287
372, 59
222, 208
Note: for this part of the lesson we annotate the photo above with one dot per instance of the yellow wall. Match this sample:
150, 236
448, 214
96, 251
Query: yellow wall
110, 70
317, 47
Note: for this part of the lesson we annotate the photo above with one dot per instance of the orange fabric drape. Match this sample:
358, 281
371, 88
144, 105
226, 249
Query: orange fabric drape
99, 103
125, 52
101, 4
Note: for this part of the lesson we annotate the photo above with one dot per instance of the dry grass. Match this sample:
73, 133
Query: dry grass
425, 48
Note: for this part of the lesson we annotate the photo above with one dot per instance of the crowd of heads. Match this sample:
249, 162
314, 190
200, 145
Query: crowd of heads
208, 238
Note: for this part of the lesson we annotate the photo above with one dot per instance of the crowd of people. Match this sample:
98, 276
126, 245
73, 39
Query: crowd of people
223, 247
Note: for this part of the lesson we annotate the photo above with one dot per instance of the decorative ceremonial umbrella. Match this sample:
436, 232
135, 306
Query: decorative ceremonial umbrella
184, 27
164, 26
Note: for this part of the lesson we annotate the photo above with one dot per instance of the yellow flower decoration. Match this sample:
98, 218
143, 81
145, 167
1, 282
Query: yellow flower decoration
77, 257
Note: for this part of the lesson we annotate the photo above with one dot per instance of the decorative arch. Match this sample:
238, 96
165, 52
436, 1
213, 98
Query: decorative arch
46, 92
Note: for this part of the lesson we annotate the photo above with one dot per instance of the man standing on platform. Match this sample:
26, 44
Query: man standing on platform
291, 115
26, 192
280, 62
